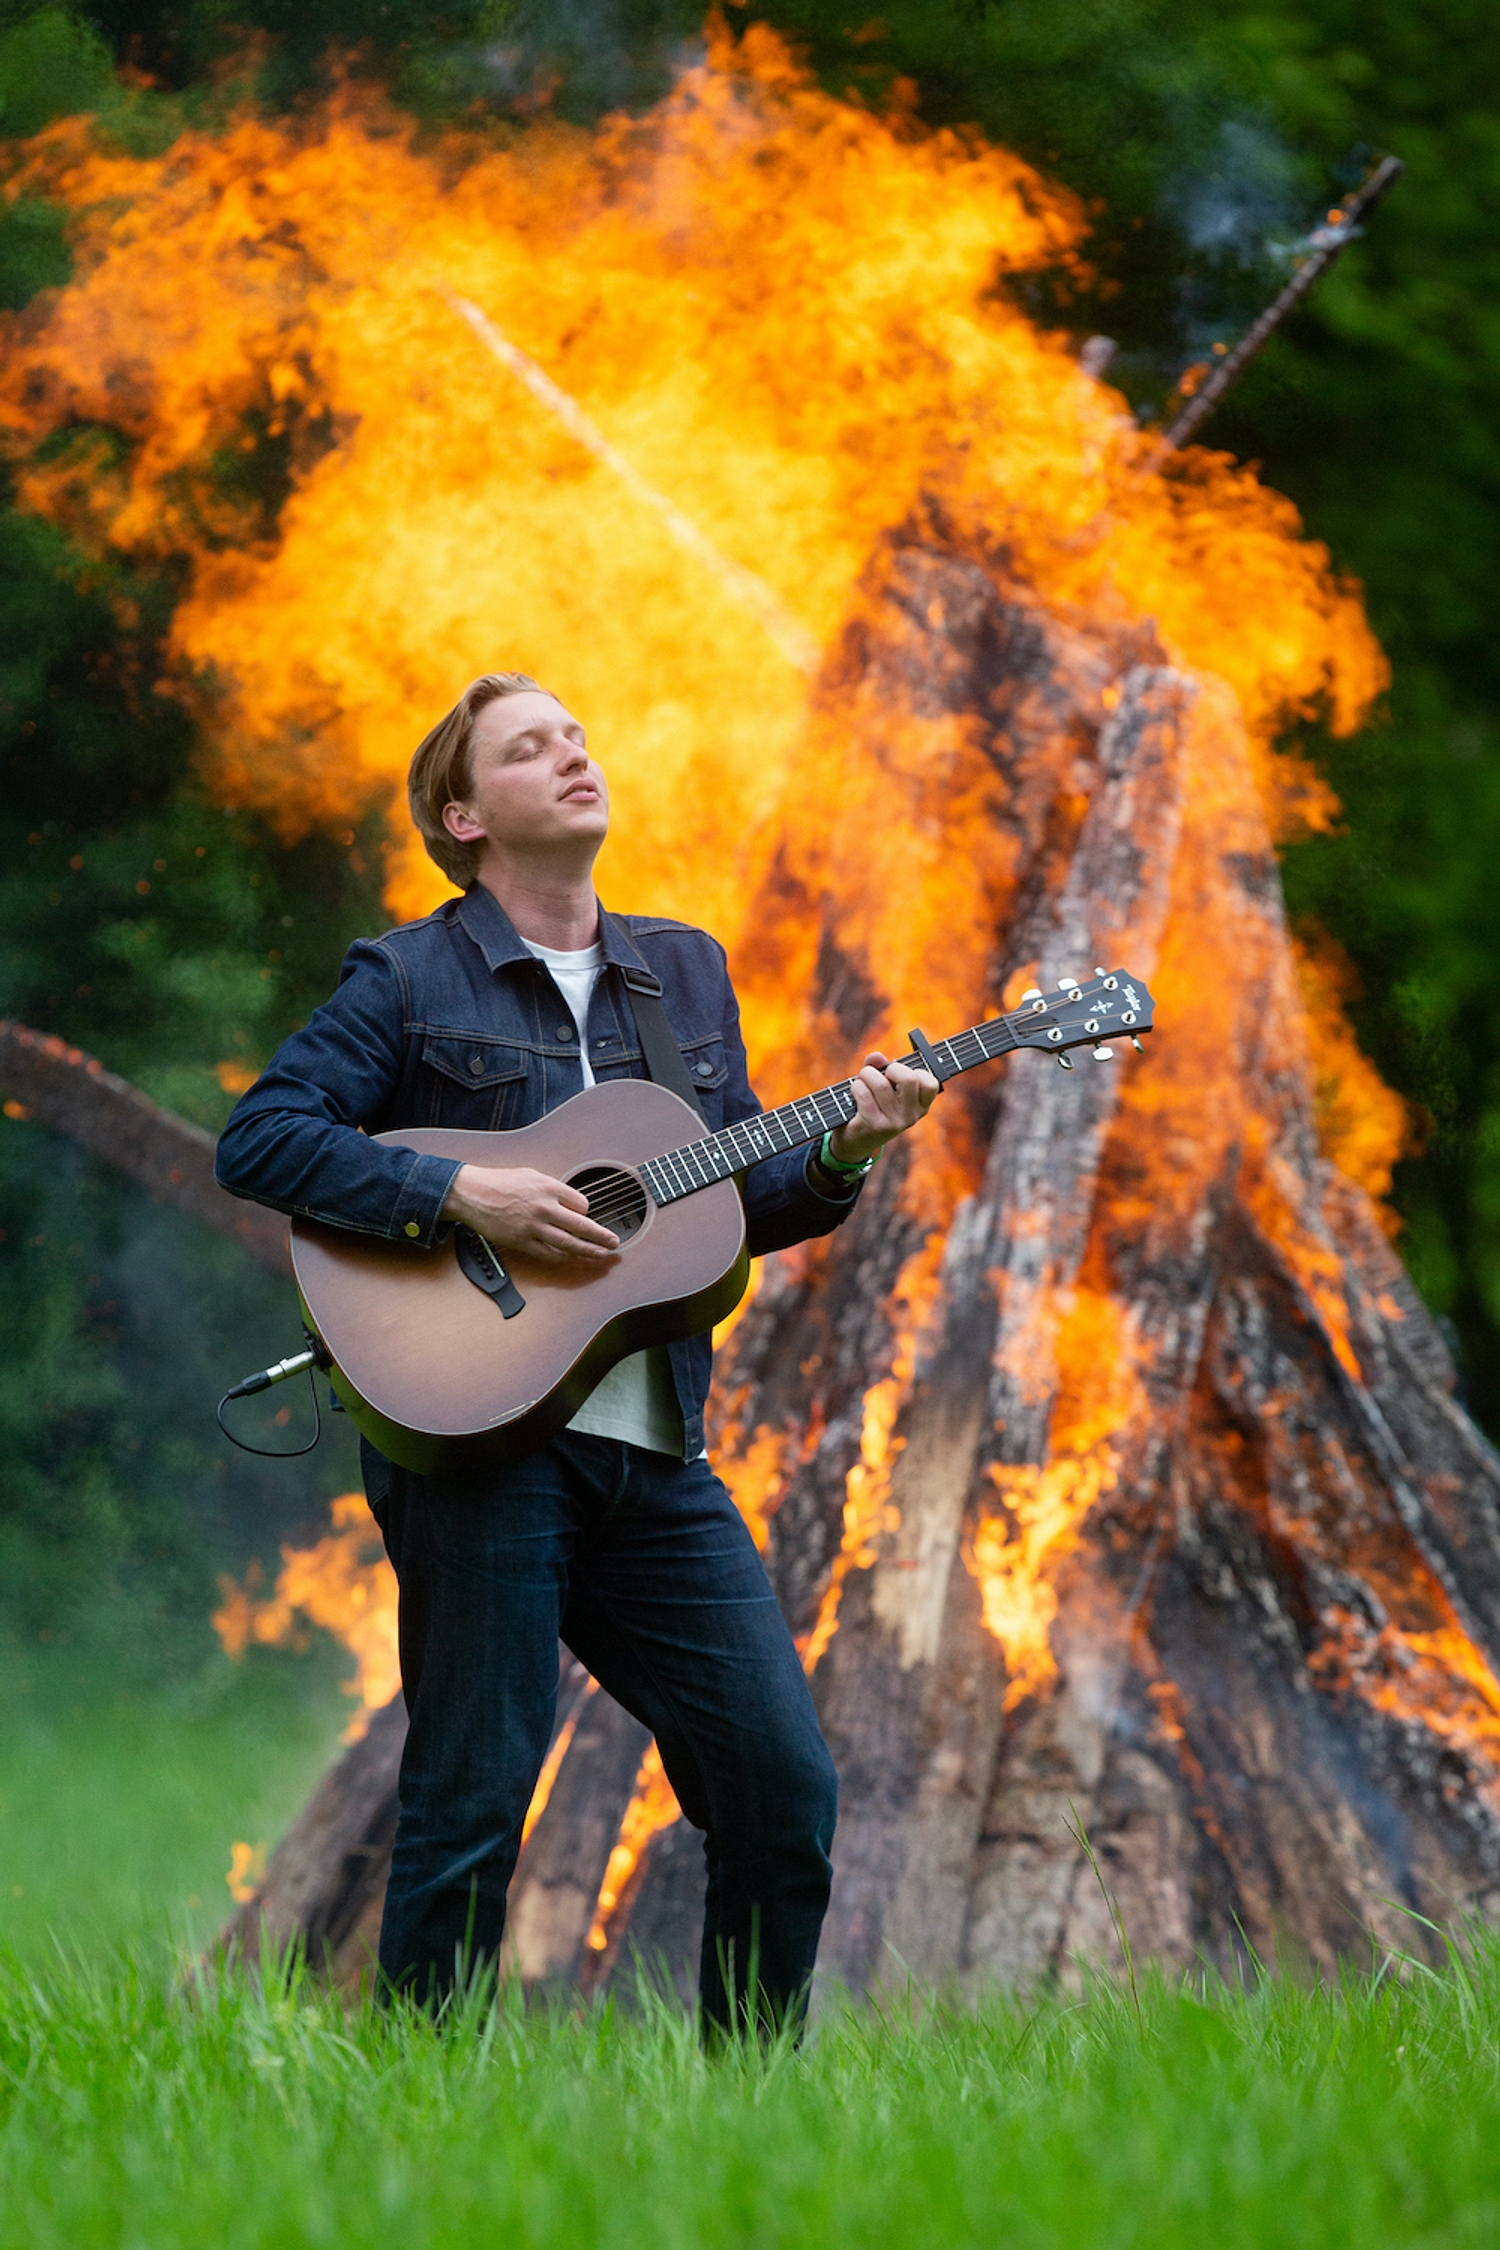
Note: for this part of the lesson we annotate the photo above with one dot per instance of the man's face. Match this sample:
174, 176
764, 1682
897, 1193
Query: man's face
535, 788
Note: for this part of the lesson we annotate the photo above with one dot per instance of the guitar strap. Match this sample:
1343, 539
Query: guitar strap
664, 1061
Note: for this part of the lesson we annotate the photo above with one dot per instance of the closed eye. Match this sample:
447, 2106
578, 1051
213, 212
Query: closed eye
522, 746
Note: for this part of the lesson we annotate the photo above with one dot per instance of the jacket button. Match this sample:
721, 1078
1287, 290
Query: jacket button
476, 1064
704, 1069
412, 1229
565, 1031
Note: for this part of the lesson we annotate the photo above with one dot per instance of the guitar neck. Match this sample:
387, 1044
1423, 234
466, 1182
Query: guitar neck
1071, 1015
683, 1171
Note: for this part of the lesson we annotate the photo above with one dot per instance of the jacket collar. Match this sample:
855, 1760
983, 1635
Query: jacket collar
498, 939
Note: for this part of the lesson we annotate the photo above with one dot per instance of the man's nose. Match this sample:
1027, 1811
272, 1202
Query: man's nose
573, 753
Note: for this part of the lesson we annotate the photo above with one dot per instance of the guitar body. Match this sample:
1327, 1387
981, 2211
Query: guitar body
427, 1364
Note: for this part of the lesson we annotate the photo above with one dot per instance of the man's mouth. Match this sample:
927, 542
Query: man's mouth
581, 789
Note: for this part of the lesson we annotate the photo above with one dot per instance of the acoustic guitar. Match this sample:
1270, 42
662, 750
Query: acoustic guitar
459, 1357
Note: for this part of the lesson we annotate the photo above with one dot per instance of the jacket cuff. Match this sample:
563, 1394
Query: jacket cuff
418, 1213
835, 1202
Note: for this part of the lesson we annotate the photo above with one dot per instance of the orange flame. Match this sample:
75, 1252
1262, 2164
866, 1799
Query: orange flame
653, 1807
781, 313
868, 1511
552, 1765
344, 1584
1362, 1124
1435, 1678
756, 1476
1016, 1551
247, 1868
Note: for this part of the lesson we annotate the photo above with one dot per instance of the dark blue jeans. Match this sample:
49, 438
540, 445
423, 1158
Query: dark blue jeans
642, 1566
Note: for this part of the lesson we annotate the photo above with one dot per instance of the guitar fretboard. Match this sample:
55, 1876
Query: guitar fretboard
683, 1171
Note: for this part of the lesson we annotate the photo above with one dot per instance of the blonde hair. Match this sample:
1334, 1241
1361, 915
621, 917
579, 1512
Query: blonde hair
439, 771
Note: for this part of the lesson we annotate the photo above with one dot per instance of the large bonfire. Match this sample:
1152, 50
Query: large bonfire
1107, 1460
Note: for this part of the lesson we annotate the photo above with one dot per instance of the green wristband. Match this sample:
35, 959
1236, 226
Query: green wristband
836, 1164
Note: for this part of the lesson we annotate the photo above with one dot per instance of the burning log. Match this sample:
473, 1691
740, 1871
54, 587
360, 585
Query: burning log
1180, 1524
325, 1883
42, 1077
1128, 1483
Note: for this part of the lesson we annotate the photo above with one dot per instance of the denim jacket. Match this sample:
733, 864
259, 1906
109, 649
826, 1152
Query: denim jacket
452, 1021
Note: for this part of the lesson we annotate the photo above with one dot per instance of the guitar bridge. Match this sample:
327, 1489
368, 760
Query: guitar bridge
478, 1263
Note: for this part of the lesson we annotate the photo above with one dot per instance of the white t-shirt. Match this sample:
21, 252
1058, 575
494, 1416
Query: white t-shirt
637, 1400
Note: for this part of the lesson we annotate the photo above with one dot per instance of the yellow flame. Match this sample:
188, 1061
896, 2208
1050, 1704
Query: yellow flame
1363, 1125
247, 1869
343, 1583
551, 1766
1015, 1552
1011, 1556
757, 1476
869, 1514
653, 1807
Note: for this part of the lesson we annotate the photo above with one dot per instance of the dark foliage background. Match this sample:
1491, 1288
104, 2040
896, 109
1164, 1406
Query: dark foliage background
146, 924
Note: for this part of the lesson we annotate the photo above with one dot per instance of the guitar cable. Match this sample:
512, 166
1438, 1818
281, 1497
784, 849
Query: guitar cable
313, 1357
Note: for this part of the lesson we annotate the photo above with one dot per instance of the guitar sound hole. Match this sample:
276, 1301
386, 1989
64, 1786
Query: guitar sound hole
617, 1199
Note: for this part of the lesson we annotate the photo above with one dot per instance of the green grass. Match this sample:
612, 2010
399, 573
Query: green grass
144, 2107
133, 2113
121, 1792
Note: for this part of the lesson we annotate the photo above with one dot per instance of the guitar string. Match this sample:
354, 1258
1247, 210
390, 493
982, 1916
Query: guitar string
626, 1198
622, 1199
765, 1120
607, 1210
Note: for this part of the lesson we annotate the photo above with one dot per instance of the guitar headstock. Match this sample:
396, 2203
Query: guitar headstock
1075, 1014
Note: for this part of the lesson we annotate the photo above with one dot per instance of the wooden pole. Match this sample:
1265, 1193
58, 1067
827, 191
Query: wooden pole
1326, 244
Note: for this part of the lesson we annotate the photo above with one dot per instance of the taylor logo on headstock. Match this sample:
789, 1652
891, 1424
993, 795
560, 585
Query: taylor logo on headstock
1081, 1013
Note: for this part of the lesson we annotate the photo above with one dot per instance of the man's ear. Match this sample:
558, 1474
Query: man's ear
460, 823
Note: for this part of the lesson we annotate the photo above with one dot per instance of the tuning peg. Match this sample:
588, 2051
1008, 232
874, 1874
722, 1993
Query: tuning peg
1104, 1054
1064, 1062
1100, 972
1032, 992
1140, 1050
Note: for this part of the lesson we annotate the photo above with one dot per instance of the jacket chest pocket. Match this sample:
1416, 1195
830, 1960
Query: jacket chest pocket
709, 1072
473, 1083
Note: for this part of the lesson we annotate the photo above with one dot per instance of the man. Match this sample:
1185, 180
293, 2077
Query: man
617, 1537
